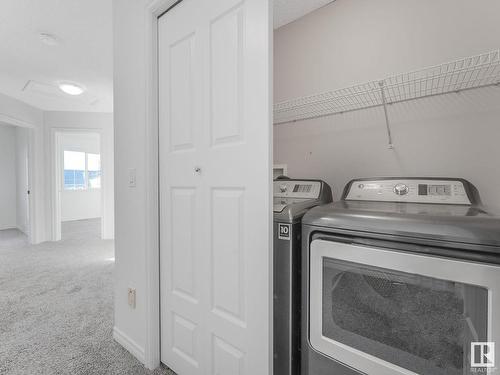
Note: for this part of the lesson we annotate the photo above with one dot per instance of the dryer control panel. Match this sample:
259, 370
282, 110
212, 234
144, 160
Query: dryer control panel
436, 191
301, 189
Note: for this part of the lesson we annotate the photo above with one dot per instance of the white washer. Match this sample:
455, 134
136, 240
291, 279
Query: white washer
292, 199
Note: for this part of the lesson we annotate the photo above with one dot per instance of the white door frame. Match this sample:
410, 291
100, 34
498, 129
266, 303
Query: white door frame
56, 176
31, 176
152, 358
152, 348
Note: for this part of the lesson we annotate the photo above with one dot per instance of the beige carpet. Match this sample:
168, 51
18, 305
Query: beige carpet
56, 306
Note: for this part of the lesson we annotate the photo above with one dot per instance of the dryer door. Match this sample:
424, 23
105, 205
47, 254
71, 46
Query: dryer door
385, 312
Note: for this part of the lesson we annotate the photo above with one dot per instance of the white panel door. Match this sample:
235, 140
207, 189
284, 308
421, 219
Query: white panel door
215, 178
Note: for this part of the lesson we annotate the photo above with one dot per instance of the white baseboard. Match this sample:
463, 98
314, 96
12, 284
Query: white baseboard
80, 218
129, 344
8, 227
23, 229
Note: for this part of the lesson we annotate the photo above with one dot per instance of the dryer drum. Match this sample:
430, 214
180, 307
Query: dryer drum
414, 321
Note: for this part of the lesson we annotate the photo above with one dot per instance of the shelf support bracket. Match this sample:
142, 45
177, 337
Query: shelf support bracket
387, 124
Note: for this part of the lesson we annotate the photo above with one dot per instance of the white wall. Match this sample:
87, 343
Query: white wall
73, 122
130, 152
13, 110
80, 204
352, 41
22, 179
7, 177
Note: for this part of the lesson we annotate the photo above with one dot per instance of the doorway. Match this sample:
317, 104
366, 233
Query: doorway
78, 184
16, 204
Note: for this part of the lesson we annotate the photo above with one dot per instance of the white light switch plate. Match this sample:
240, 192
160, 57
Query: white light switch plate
131, 297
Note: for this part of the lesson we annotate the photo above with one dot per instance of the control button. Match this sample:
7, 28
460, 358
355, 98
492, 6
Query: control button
283, 188
401, 189
423, 189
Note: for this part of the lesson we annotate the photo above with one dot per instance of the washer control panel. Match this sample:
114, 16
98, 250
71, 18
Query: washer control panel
409, 190
296, 189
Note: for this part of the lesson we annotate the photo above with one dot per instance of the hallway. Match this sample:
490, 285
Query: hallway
56, 305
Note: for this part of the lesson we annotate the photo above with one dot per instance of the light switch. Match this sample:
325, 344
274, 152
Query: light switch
132, 177
131, 297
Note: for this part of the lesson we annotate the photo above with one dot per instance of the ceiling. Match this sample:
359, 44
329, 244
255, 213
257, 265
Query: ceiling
286, 11
30, 69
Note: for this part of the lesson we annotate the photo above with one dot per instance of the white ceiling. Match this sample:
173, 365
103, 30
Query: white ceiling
286, 11
84, 54
30, 69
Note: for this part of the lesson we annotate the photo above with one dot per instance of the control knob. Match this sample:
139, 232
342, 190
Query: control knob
283, 188
401, 189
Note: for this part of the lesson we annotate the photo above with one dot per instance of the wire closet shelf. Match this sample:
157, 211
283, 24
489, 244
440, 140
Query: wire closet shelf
464, 74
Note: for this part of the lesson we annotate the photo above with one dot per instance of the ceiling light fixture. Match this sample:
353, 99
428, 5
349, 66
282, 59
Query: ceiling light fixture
71, 88
48, 39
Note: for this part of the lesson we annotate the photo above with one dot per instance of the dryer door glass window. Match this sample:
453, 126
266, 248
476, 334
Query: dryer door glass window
419, 323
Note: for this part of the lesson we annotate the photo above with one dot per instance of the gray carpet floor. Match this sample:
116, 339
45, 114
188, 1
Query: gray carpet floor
56, 306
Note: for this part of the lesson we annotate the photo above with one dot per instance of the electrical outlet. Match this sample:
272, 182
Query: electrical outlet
131, 297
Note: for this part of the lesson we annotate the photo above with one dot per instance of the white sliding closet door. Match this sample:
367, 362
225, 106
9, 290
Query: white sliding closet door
215, 163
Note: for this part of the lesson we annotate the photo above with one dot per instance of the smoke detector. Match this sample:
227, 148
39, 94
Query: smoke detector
48, 39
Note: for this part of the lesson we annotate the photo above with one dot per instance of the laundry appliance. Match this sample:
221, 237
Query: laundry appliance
292, 199
401, 276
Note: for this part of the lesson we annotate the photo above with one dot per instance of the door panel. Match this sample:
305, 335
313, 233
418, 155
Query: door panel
183, 211
184, 344
182, 101
228, 294
226, 358
215, 163
226, 68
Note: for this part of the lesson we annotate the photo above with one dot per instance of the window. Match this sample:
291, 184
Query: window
74, 170
94, 170
81, 170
